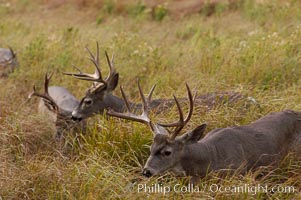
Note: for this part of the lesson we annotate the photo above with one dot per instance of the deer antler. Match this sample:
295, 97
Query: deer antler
49, 101
143, 118
14, 54
179, 125
97, 76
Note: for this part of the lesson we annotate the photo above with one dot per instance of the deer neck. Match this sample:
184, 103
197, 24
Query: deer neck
113, 102
118, 104
196, 159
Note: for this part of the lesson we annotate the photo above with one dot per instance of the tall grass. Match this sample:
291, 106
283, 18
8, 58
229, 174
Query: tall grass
252, 48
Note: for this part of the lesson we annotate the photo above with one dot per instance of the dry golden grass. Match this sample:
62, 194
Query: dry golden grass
252, 48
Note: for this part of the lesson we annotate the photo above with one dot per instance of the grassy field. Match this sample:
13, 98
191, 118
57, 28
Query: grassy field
251, 47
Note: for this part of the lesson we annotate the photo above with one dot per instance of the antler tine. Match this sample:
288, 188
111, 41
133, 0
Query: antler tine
191, 102
144, 101
81, 75
12, 52
143, 118
127, 104
46, 83
147, 100
97, 76
179, 125
97, 52
150, 94
111, 65
45, 96
181, 116
95, 60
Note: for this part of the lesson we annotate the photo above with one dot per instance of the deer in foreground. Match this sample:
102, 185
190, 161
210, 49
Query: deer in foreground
58, 103
99, 96
8, 61
260, 143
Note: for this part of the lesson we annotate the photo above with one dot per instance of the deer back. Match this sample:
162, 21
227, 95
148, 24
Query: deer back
58, 103
260, 143
64, 100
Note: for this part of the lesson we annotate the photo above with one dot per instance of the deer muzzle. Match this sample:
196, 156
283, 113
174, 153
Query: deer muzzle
77, 119
146, 172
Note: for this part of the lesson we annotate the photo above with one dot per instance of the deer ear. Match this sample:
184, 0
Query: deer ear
113, 82
194, 135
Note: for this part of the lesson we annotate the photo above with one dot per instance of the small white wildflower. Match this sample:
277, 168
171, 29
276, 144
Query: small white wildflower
52, 37
253, 32
150, 49
281, 43
243, 44
275, 34
252, 99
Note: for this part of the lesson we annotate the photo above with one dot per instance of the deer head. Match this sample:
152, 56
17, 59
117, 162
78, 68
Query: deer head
99, 94
167, 147
63, 118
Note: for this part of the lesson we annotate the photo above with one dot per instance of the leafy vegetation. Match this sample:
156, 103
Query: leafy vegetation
252, 47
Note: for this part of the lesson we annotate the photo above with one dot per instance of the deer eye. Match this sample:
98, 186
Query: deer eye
88, 102
166, 153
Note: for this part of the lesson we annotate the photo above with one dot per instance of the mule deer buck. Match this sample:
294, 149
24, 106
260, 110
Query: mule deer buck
60, 102
98, 97
8, 61
260, 143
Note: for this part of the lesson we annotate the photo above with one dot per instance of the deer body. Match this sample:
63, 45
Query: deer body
260, 143
63, 98
8, 61
58, 103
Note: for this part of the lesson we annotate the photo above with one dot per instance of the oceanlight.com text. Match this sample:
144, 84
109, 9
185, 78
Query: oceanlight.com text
215, 188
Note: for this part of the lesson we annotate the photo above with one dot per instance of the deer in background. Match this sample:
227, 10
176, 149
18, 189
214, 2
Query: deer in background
261, 143
8, 61
58, 103
99, 96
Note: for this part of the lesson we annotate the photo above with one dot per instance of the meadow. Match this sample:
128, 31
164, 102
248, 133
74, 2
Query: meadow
245, 46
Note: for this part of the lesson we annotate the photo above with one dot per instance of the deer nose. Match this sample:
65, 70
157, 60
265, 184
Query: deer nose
146, 172
77, 119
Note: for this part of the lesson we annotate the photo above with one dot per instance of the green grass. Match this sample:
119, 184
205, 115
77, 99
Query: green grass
251, 48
